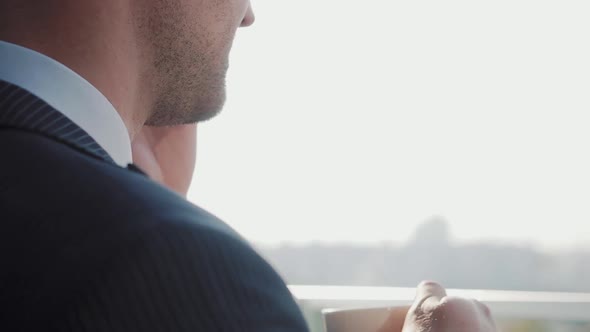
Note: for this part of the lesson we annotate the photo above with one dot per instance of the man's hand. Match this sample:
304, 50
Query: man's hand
167, 155
434, 311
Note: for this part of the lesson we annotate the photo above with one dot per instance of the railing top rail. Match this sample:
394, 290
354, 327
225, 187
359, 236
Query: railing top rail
356, 293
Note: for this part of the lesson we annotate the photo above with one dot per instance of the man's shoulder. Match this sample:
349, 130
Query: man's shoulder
92, 206
104, 233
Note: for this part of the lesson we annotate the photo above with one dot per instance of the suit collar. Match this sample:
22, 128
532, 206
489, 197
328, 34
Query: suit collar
69, 93
19, 109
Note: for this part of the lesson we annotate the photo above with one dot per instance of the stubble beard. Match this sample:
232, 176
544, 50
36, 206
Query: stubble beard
187, 103
188, 92
187, 76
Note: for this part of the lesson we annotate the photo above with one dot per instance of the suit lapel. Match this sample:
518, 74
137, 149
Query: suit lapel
19, 109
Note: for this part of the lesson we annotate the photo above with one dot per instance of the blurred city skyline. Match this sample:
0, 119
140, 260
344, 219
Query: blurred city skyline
432, 255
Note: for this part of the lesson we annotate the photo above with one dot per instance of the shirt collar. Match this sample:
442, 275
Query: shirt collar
70, 94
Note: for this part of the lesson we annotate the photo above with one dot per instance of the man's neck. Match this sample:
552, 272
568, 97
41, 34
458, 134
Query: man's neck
103, 50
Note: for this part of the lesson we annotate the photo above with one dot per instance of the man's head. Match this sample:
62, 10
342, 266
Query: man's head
185, 45
159, 62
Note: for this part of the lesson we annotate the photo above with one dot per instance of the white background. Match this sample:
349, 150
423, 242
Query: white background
354, 121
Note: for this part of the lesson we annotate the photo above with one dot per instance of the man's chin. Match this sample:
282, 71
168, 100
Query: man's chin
174, 119
205, 115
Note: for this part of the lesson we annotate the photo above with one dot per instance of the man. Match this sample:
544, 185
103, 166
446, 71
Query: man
91, 243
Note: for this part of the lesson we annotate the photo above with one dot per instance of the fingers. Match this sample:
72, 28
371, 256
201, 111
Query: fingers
429, 294
468, 313
433, 310
484, 309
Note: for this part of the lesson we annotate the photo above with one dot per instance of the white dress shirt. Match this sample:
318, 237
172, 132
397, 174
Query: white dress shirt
68, 93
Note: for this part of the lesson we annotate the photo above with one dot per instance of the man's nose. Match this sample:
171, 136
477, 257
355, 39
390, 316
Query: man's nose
249, 17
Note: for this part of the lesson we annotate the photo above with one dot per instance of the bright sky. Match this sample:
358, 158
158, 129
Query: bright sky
354, 121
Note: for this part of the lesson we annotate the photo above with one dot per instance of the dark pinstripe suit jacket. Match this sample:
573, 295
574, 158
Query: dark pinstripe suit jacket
86, 245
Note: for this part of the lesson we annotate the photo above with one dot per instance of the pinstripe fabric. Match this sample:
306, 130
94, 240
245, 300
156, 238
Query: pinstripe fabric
19, 109
88, 247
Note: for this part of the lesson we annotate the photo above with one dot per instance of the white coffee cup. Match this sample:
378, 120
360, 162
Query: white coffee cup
363, 320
